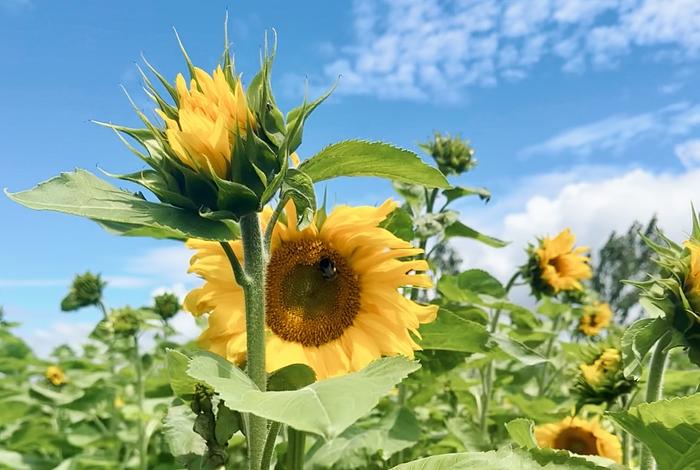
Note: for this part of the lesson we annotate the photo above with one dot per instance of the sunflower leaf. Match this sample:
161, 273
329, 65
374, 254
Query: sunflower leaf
669, 428
531, 459
83, 194
458, 229
361, 158
521, 431
325, 408
453, 332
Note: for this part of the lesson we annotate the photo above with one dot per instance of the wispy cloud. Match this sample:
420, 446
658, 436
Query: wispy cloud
688, 153
615, 133
420, 49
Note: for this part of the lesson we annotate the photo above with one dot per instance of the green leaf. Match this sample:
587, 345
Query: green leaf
181, 383
516, 350
187, 446
465, 286
228, 422
325, 408
400, 223
521, 430
83, 194
638, 340
452, 332
458, 192
291, 377
357, 444
360, 158
298, 187
458, 229
510, 458
669, 428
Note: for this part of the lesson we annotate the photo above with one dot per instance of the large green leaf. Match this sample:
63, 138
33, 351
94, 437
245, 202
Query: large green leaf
360, 158
521, 430
507, 458
357, 444
83, 194
638, 340
325, 408
453, 332
187, 446
458, 229
669, 428
463, 287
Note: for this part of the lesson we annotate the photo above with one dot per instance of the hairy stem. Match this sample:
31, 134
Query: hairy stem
140, 397
270, 445
254, 293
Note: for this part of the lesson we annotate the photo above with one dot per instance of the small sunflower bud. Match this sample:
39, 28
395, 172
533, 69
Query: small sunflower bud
86, 290
125, 321
452, 154
166, 305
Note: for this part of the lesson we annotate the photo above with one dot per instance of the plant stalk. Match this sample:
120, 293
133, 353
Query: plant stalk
655, 382
270, 444
254, 293
140, 397
296, 443
548, 353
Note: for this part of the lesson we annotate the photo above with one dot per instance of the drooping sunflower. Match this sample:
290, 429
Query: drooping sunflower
596, 317
55, 375
332, 293
580, 437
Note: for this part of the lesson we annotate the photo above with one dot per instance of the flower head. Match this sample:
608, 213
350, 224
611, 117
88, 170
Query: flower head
580, 437
55, 375
211, 113
595, 318
166, 305
452, 154
332, 294
692, 278
86, 290
555, 265
603, 368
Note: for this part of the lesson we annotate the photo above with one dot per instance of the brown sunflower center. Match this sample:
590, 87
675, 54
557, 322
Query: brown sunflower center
312, 293
577, 440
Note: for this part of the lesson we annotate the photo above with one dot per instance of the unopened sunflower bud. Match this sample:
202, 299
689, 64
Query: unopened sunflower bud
452, 154
86, 290
125, 321
166, 305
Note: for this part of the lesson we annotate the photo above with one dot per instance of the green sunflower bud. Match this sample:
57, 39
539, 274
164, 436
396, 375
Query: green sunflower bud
86, 290
166, 305
452, 154
125, 322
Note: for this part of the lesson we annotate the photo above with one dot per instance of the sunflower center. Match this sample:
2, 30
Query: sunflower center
312, 293
576, 440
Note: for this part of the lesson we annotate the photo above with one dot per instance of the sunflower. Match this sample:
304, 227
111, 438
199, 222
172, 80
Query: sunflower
595, 318
210, 115
603, 368
332, 293
580, 437
561, 265
55, 375
692, 277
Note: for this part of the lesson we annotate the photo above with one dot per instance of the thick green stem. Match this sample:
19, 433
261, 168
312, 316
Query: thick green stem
254, 293
296, 444
626, 437
270, 445
140, 397
657, 367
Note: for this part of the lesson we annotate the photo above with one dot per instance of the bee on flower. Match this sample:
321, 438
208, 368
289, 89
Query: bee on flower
581, 437
556, 266
55, 375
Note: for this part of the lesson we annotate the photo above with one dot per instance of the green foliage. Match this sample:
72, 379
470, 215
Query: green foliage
669, 428
360, 158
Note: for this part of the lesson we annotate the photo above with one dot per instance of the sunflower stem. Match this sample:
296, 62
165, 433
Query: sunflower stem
655, 383
296, 444
270, 444
488, 371
140, 397
239, 274
548, 353
254, 293
273, 222
627, 443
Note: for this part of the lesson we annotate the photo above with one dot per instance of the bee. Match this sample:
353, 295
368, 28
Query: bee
327, 268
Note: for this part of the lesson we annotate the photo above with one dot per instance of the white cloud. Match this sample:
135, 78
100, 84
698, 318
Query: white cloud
591, 206
688, 153
615, 133
73, 334
421, 49
163, 265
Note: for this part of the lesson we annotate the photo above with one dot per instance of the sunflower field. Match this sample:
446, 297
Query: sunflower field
345, 337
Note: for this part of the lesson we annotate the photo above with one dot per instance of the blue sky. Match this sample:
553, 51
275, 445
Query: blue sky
583, 113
